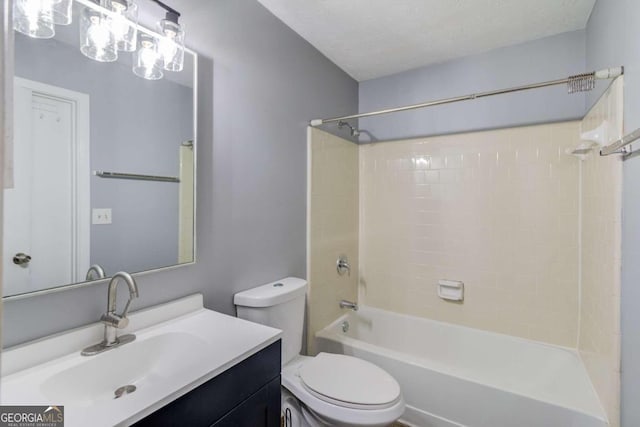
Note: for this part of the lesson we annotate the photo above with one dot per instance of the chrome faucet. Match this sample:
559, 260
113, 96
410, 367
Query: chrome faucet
342, 265
95, 272
113, 321
348, 304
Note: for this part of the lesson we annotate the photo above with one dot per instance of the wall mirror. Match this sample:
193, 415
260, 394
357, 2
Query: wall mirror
100, 175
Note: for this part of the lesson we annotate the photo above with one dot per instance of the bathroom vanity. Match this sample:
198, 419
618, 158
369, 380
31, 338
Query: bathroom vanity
188, 366
247, 394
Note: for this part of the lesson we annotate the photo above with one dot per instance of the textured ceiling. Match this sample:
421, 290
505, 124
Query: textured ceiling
374, 38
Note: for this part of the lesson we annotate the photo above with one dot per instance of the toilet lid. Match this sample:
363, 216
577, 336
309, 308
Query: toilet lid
349, 381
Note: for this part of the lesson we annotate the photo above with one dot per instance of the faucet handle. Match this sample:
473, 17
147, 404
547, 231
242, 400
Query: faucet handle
115, 320
342, 265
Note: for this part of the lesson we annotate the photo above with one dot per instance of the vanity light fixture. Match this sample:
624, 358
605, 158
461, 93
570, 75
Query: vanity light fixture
97, 40
147, 60
107, 28
34, 18
123, 23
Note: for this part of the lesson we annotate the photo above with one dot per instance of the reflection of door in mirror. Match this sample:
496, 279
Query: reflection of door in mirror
46, 210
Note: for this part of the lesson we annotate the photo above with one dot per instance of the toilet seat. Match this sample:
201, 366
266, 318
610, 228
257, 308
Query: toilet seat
349, 382
336, 411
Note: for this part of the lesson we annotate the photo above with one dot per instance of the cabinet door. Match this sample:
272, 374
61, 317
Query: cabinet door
215, 399
262, 409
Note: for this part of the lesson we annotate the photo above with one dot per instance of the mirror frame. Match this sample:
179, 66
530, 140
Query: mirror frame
9, 109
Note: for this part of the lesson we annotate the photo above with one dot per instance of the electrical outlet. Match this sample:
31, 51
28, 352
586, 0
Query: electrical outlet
101, 216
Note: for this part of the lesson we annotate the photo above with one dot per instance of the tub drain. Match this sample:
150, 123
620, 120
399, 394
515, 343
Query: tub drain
121, 391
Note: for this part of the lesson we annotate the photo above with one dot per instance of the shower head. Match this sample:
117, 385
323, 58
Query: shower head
587, 81
354, 131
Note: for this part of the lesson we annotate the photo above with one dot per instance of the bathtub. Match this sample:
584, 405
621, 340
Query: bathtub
456, 376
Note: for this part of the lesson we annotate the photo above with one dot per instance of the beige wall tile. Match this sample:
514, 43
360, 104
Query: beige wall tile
599, 340
332, 228
497, 210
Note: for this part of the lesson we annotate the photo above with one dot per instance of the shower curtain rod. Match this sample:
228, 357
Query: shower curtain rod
577, 83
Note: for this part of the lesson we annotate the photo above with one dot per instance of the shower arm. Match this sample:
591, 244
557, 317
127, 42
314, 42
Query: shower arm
605, 74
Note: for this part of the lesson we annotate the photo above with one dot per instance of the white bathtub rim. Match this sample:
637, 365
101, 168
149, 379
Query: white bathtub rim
367, 308
411, 412
328, 333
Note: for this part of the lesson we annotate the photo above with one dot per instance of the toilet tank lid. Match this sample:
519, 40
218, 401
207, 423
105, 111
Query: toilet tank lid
272, 293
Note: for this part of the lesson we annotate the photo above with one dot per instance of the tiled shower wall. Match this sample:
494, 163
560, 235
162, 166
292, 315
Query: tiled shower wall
599, 341
497, 210
332, 227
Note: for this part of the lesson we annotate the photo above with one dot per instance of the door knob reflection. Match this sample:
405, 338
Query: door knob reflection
21, 259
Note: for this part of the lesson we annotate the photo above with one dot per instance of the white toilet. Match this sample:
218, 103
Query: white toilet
328, 389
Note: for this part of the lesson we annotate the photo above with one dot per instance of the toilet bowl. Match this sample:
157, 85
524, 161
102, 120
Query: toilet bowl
342, 390
328, 389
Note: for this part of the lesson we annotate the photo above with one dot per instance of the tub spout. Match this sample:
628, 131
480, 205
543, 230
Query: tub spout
348, 304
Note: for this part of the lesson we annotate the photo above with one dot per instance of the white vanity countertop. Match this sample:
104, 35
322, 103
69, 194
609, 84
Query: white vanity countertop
179, 346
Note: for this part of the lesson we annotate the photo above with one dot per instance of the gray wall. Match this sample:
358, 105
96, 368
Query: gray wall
545, 59
613, 38
255, 98
136, 126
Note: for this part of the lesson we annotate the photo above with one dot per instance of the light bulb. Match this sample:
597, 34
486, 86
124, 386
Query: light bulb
34, 18
97, 40
148, 57
146, 63
167, 46
123, 23
98, 34
119, 26
171, 46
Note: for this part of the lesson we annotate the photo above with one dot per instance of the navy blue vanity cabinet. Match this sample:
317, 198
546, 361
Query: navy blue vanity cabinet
245, 395
258, 410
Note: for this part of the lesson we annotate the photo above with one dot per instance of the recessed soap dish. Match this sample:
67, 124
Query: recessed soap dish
451, 290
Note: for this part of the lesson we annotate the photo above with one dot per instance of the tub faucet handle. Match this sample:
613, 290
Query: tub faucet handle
342, 265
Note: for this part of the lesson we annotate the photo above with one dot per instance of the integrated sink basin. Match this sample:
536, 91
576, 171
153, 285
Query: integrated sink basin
142, 363
178, 346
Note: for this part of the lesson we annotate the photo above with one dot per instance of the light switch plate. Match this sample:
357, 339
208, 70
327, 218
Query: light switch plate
101, 216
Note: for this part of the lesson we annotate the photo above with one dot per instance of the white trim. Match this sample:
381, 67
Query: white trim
81, 191
6, 92
307, 340
195, 158
309, 184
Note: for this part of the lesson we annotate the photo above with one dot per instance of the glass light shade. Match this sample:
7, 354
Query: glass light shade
97, 40
34, 18
147, 62
62, 13
171, 46
123, 23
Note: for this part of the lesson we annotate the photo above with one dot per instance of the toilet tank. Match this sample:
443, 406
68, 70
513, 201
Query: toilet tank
279, 305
